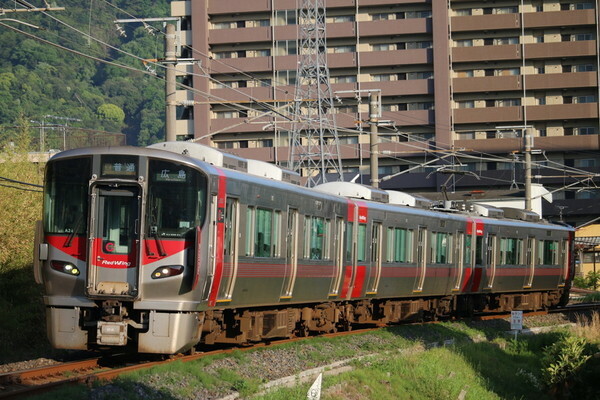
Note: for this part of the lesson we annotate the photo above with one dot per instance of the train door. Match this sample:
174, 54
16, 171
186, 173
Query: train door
291, 265
230, 250
421, 259
114, 241
530, 266
375, 274
459, 253
564, 250
490, 271
338, 256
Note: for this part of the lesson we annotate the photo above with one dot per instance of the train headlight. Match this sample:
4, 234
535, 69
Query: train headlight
65, 267
167, 271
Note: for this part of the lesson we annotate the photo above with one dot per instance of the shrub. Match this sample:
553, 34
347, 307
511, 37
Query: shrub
560, 363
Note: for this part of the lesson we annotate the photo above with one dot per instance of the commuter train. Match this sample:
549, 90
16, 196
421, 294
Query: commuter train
162, 249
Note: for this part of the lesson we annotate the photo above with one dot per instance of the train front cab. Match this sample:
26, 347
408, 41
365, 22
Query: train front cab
118, 265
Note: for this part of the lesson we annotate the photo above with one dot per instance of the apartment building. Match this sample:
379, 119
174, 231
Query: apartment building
457, 75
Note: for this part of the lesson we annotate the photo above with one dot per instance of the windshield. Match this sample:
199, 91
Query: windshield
177, 199
66, 196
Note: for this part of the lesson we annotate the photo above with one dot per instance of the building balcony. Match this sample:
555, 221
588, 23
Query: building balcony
241, 125
244, 64
560, 18
491, 115
402, 88
581, 48
554, 143
394, 27
533, 82
562, 112
486, 84
243, 94
396, 57
486, 53
562, 81
482, 23
240, 35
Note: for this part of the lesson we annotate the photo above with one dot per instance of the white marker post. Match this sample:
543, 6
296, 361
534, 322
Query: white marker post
314, 393
516, 321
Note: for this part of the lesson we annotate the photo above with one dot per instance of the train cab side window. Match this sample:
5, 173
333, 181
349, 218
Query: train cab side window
66, 196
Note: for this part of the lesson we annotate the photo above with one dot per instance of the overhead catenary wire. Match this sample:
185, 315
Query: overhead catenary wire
269, 108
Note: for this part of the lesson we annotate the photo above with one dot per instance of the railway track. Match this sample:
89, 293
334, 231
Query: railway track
20, 384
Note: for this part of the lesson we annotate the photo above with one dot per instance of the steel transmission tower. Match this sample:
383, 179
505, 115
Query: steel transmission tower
314, 148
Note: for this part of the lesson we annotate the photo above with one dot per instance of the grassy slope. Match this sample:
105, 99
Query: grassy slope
22, 330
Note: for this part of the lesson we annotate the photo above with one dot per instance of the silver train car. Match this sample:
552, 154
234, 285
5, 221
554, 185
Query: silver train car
161, 249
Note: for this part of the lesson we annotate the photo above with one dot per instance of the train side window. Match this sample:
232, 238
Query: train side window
467, 250
547, 252
440, 245
249, 231
276, 234
361, 242
315, 234
479, 250
263, 237
349, 240
511, 251
399, 245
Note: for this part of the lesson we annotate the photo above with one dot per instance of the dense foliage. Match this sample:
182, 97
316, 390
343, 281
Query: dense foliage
38, 79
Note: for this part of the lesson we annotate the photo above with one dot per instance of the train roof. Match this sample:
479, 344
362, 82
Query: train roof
203, 156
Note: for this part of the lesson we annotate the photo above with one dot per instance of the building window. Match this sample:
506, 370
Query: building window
419, 45
285, 17
464, 43
383, 16
507, 71
505, 40
418, 14
508, 102
585, 130
584, 99
383, 77
383, 47
342, 49
464, 12
342, 18
419, 75
584, 68
465, 135
343, 79
465, 104
465, 74
286, 48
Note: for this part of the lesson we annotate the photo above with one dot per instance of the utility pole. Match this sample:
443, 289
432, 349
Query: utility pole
170, 83
172, 51
374, 138
528, 137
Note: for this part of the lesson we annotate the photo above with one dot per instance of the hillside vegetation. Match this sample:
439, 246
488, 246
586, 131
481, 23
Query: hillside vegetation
38, 80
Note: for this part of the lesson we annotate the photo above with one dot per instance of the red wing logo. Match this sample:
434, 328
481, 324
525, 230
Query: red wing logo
109, 247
